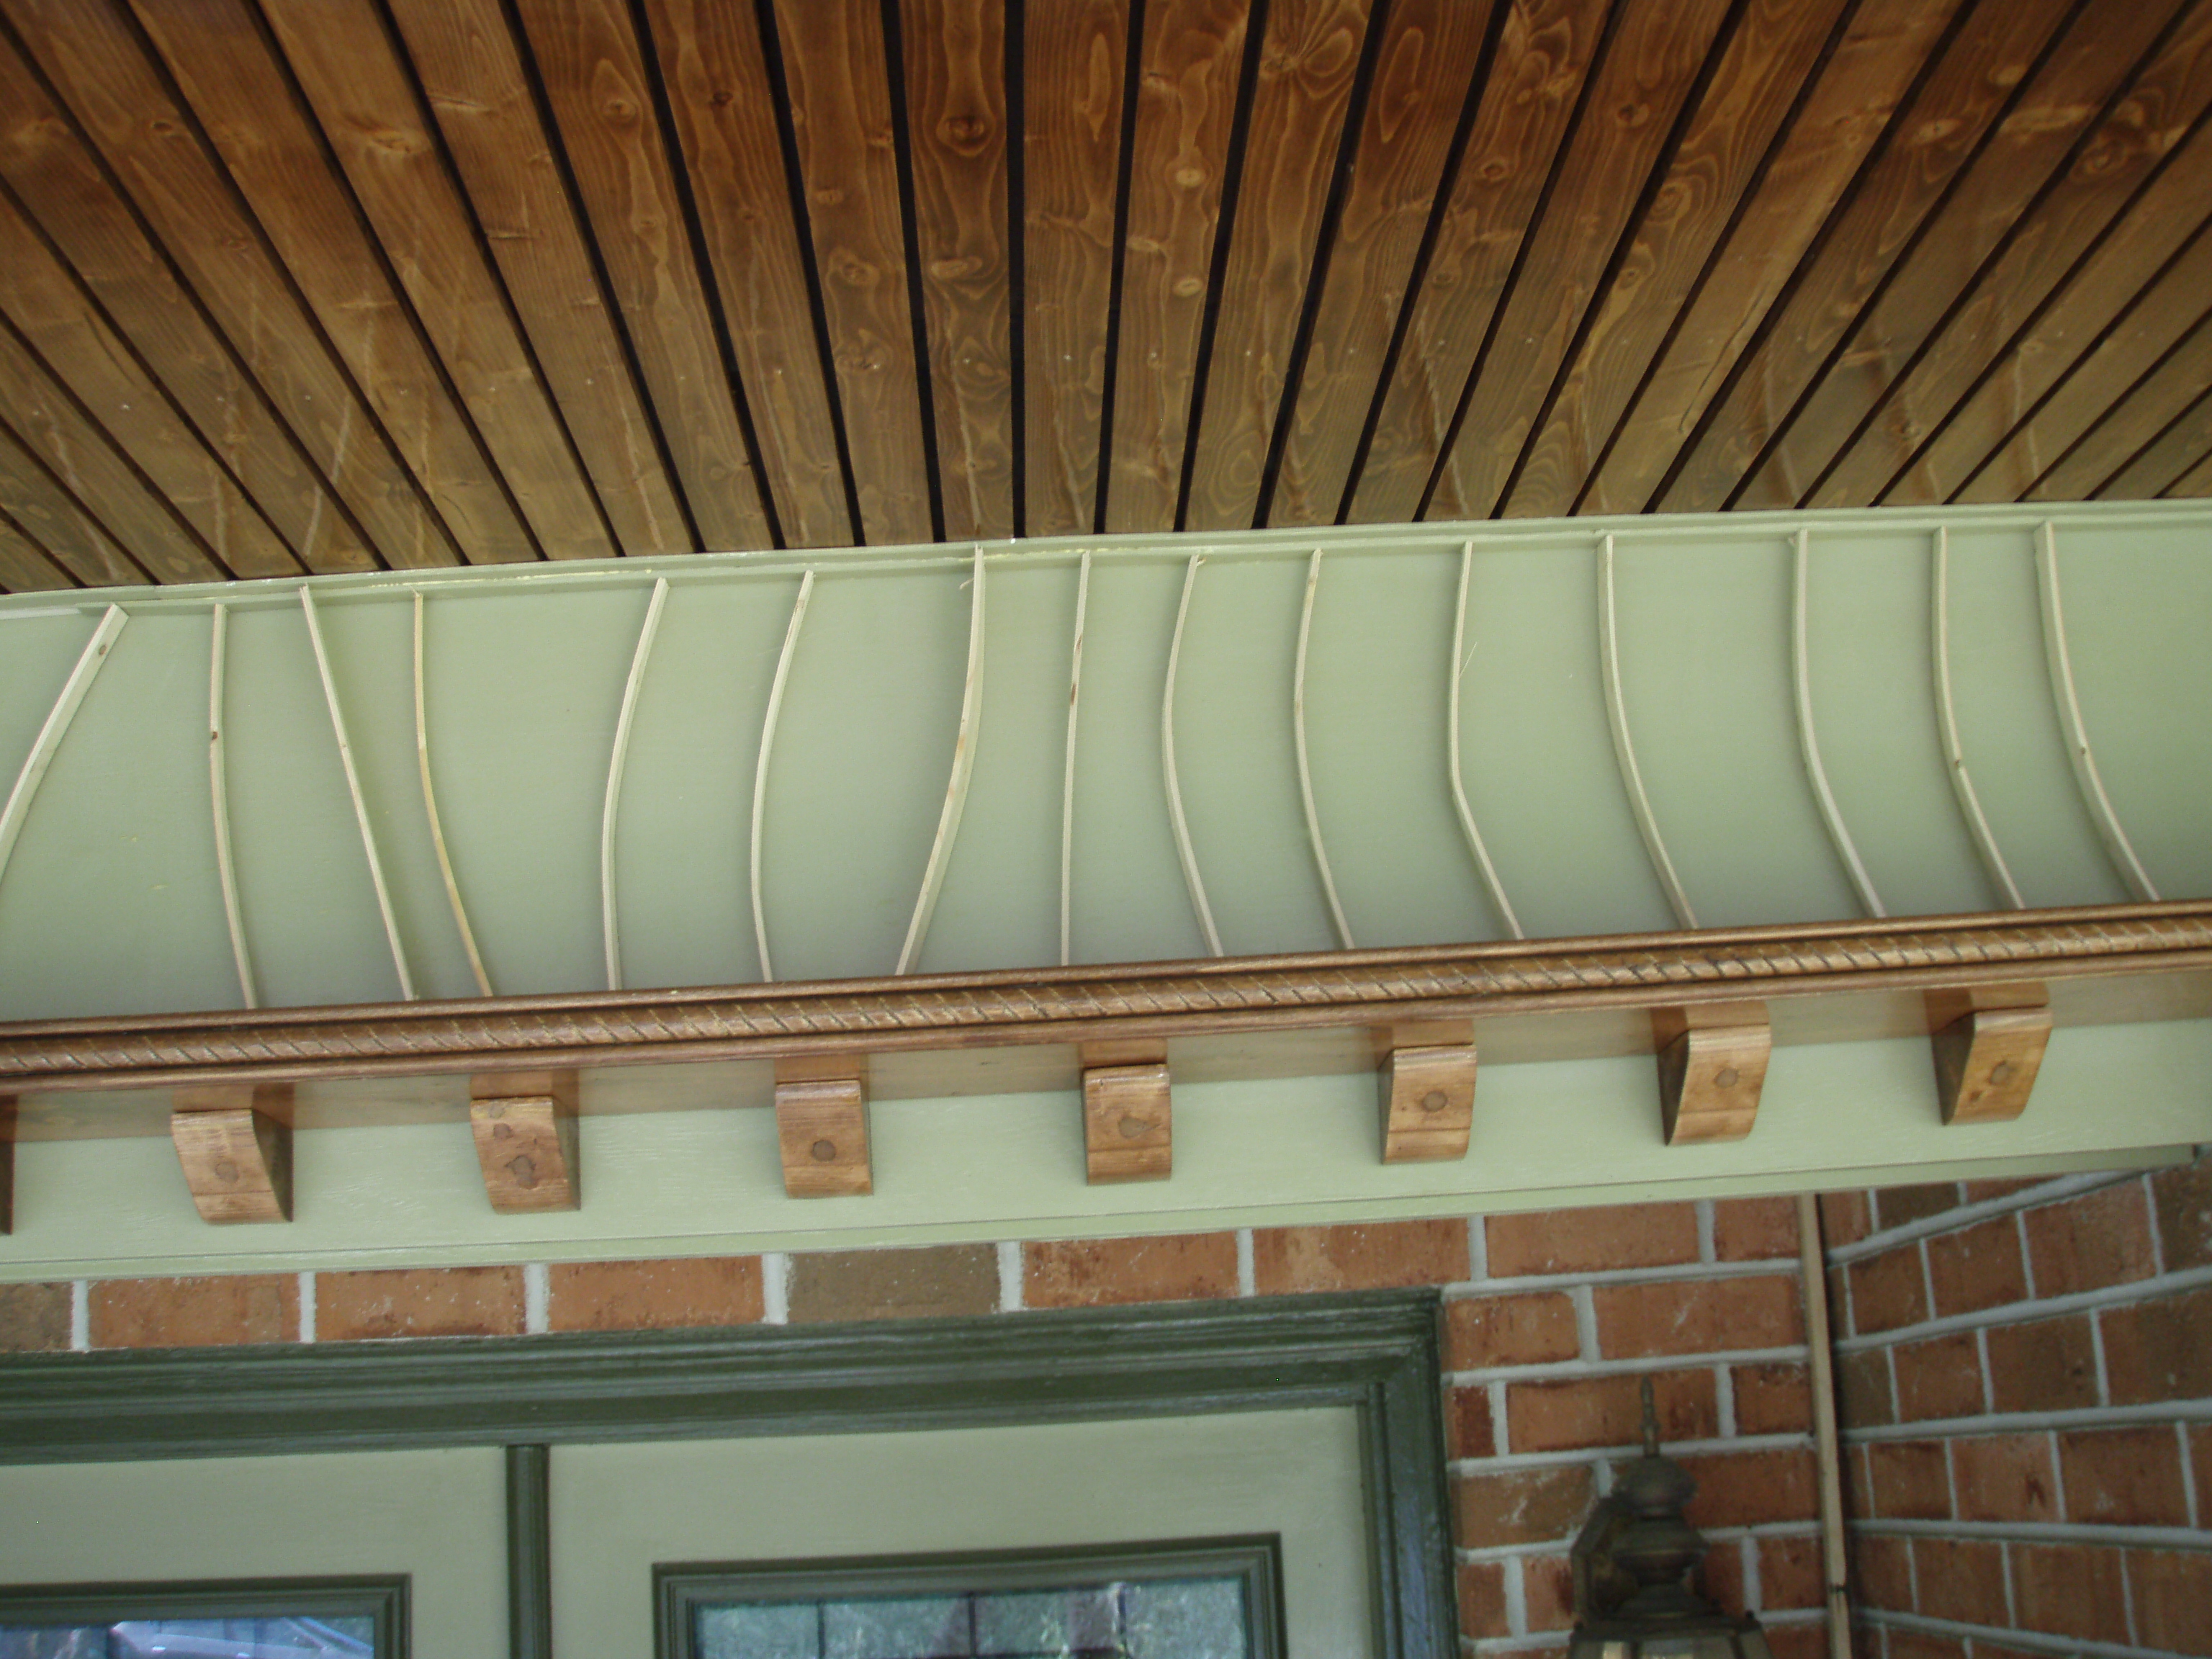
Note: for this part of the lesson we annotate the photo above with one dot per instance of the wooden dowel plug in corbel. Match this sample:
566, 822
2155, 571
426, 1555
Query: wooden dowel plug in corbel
1128, 1118
525, 1124
1425, 1084
234, 1141
821, 1126
1712, 1064
1988, 1042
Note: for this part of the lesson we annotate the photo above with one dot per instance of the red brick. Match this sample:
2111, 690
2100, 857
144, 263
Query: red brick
932, 1281
1569, 1414
1863, 1399
1911, 1482
2045, 1366
2173, 1599
1900, 1206
1750, 1488
34, 1318
1522, 1506
2200, 1463
2004, 1477
1482, 1599
195, 1313
1858, 1482
2159, 1350
1720, 1575
1592, 1240
1698, 1316
391, 1302
1845, 1219
1918, 1644
1939, 1378
1805, 1641
2130, 1477
1789, 1572
1548, 1590
682, 1293
1468, 1422
2087, 1243
1960, 1579
1881, 1572
1754, 1228
1381, 1255
1978, 1267
1772, 1399
1090, 1272
2070, 1589
1528, 1329
1888, 1291
2183, 1198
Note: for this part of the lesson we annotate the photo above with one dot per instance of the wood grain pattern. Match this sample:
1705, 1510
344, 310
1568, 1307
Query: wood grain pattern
1193, 58
1074, 58
1308, 57
834, 57
1128, 1123
710, 56
24, 566
2197, 480
234, 1143
1545, 55
596, 80
956, 93
44, 506
2093, 464
1633, 102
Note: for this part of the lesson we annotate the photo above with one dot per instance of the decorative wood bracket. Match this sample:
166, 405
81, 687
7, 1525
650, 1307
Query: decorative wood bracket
1712, 1064
821, 1126
525, 1124
1128, 1112
234, 1141
1989, 1041
1425, 1082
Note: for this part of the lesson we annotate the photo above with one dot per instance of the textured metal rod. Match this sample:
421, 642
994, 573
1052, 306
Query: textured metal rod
431, 810
360, 802
1808, 743
956, 787
1616, 715
1183, 850
1954, 757
1067, 773
1496, 888
219, 794
49, 740
2117, 847
1305, 769
760, 765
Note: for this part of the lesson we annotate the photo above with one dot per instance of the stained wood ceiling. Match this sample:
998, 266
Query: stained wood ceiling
335, 284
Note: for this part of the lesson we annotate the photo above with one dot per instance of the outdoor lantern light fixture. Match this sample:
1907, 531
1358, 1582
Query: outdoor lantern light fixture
1629, 1562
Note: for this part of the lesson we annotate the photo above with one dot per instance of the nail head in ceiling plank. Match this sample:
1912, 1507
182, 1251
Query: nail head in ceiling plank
525, 1126
822, 1129
1988, 1043
1425, 1083
1712, 1064
234, 1141
1128, 1123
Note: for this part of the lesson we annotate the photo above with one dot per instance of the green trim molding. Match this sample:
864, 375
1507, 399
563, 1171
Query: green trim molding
384, 1600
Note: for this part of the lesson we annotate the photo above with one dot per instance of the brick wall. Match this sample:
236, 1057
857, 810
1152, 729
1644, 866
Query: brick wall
2025, 1371
1551, 1321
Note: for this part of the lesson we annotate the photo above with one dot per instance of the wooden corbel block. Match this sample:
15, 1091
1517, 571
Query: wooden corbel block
7, 1164
1425, 1082
822, 1127
234, 1141
1128, 1118
525, 1124
1988, 1043
1712, 1063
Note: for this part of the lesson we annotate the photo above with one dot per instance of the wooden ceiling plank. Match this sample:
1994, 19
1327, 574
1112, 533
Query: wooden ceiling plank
28, 567
2114, 418
469, 69
1074, 58
835, 68
1902, 183
362, 92
2068, 229
955, 89
1653, 68
1425, 70
1544, 55
2012, 199
240, 87
42, 505
64, 329
47, 419
225, 338
1842, 118
2151, 435
1309, 60
1193, 55
595, 77
2106, 326
717, 78
1738, 125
